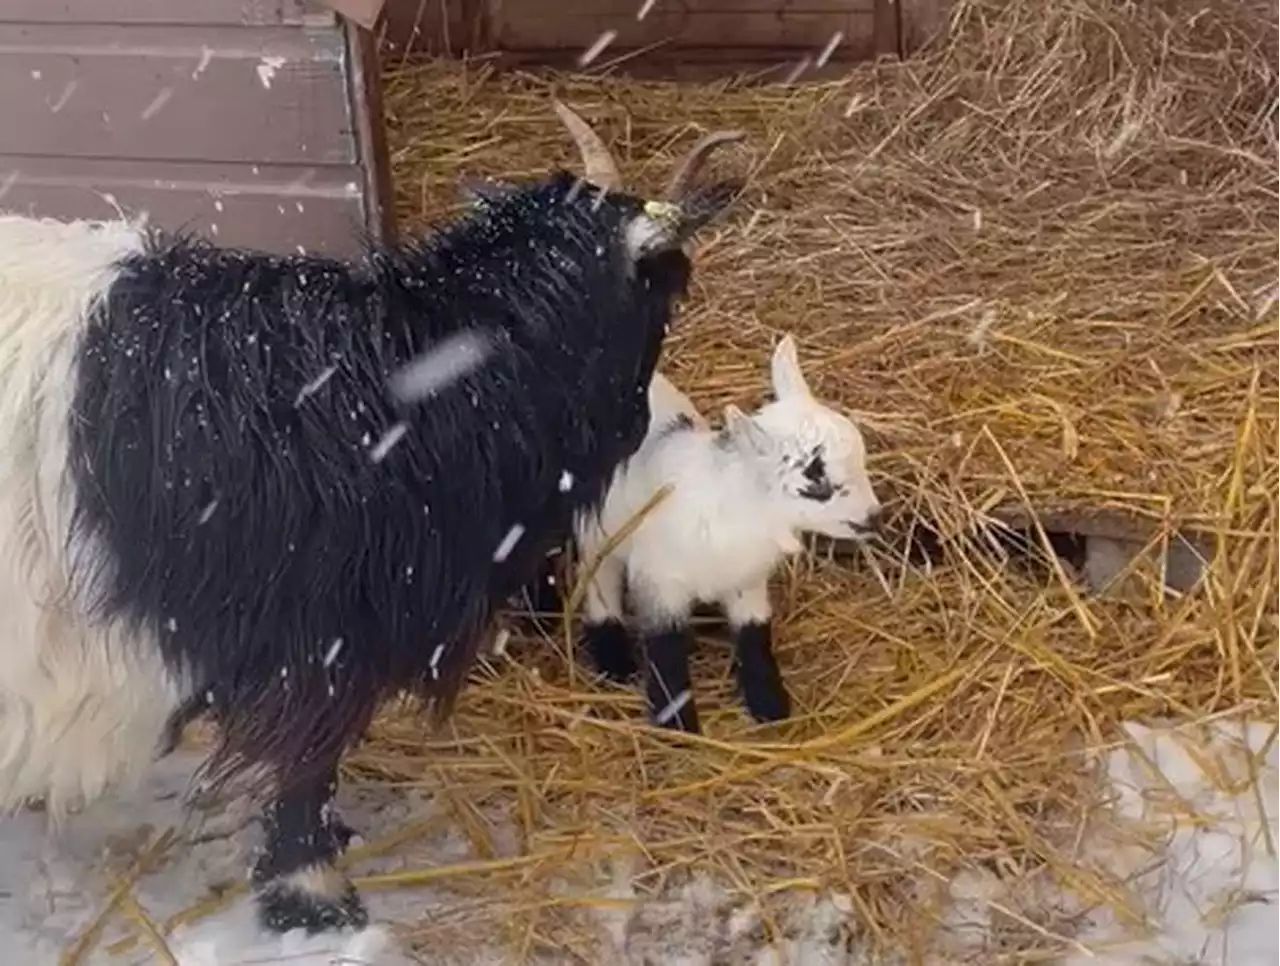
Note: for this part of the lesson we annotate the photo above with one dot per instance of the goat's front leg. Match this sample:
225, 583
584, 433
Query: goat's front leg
297, 884
759, 680
668, 684
664, 626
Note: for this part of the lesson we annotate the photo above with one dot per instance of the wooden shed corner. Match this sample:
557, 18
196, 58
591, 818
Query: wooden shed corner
253, 122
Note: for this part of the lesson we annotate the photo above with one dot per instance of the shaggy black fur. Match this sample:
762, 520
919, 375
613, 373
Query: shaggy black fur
243, 518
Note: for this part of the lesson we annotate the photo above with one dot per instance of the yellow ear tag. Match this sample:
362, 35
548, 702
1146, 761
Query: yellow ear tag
663, 211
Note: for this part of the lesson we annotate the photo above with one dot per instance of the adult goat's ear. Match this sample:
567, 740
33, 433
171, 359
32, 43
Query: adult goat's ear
481, 191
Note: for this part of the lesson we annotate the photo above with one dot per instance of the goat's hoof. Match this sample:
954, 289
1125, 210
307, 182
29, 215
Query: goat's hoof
611, 651
287, 904
767, 706
344, 836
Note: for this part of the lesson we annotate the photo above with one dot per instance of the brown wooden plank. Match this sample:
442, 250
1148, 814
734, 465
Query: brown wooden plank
623, 11
204, 12
362, 13
365, 82
272, 207
274, 94
923, 22
522, 28
887, 28
441, 27
695, 64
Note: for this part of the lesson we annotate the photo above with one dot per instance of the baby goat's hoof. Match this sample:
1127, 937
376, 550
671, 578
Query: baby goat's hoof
611, 652
318, 899
759, 679
768, 704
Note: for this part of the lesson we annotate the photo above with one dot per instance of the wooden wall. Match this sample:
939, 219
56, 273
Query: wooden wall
250, 121
671, 33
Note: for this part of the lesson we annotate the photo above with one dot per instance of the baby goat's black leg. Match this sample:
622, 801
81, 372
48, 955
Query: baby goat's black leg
603, 631
759, 680
296, 881
668, 687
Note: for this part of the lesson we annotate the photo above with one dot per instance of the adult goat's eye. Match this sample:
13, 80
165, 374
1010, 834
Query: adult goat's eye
817, 487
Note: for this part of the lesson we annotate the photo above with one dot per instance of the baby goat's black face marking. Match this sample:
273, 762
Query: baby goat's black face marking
818, 487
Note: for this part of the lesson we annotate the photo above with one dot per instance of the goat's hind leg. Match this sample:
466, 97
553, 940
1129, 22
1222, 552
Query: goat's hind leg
203, 702
297, 883
604, 629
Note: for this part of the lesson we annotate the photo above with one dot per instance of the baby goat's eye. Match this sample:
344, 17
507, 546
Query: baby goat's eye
818, 486
816, 470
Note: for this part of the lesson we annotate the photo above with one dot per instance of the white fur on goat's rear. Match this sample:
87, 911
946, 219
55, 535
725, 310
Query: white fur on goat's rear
82, 706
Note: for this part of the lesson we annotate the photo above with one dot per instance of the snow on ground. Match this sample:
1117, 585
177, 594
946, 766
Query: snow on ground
54, 884
1212, 901
1210, 896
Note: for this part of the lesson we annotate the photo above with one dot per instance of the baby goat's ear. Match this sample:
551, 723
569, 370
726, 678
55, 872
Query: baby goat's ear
745, 430
788, 379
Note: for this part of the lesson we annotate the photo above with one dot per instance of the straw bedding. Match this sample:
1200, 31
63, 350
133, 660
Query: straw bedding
1038, 262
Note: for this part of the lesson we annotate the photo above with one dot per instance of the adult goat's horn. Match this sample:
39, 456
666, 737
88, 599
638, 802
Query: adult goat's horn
692, 162
598, 163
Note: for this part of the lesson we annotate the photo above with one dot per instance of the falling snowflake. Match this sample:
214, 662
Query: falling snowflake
797, 70
65, 96
378, 452
508, 543
829, 49
315, 384
597, 48
331, 655
673, 709
449, 360
157, 103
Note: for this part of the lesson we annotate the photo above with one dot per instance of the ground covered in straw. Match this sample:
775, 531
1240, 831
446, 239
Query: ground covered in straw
1039, 263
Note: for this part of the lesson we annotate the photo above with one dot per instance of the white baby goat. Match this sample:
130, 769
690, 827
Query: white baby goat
740, 497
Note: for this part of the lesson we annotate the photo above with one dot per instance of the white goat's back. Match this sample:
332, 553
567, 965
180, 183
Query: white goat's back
81, 705
667, 407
